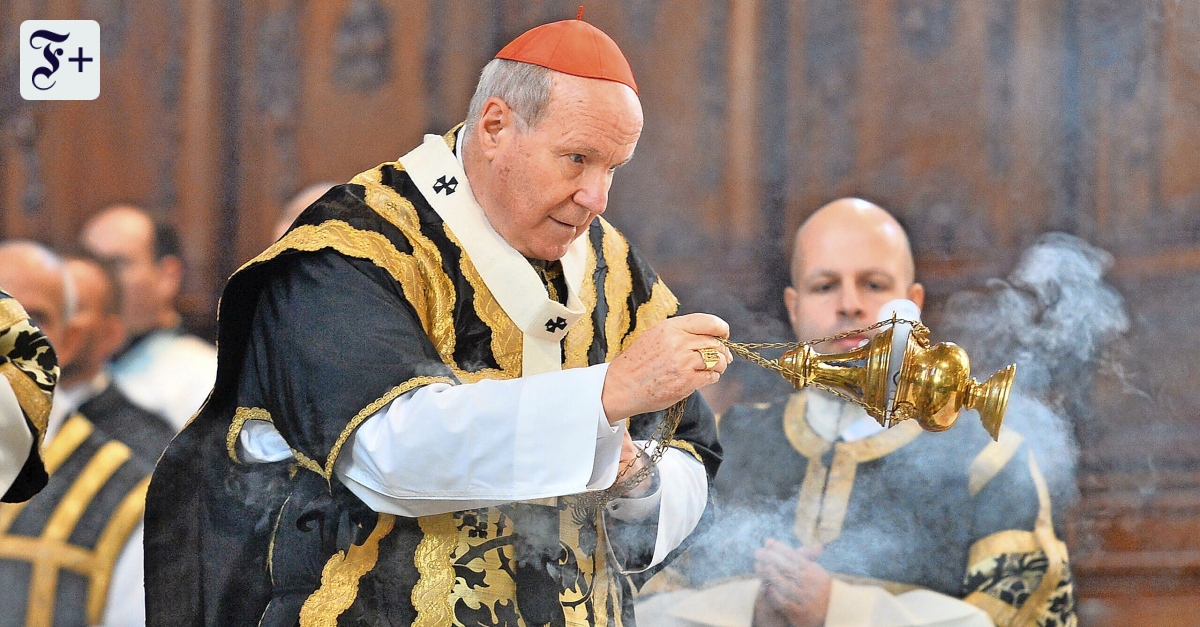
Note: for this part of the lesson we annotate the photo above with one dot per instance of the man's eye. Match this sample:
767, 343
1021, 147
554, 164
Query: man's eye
576, 157
822, 288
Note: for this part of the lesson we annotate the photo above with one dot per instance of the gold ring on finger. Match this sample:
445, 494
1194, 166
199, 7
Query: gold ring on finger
711, 357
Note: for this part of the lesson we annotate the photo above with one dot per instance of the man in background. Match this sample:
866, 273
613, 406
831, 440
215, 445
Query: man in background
86, 386
161, 368
830, 519
91, 508
298, 203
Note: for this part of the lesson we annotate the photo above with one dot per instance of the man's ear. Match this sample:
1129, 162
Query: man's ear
916, 293
496, 121
170, 278
791, 299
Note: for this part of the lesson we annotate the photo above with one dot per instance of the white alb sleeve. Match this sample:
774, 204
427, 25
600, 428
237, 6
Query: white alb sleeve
15, 438
445, 448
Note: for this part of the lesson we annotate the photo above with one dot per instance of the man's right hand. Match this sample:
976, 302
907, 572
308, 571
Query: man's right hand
663, 366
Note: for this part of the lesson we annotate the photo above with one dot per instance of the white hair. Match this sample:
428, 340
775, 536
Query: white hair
523, 86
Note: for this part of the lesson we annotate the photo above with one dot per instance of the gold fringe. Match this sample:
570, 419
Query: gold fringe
240, 416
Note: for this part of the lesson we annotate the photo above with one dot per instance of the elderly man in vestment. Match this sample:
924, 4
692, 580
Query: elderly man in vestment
428, 385
823, 517
73, 554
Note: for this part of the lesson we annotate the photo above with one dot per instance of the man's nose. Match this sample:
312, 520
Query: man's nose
851, 303
593, 194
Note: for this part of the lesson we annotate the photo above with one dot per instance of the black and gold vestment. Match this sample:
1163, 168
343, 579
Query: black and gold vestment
951, 512
369, 296
28, 363
58, 550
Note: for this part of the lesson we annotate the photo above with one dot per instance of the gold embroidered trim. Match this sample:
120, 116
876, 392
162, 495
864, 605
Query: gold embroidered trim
370, 410
662, 305
992, 459
1056, 555
507, 339
11, 312
360, 244
434, 560
44, 578
825, 494
1000, 612
108, 548
438, 308
1001, 542
617, 286
686, 447
73, 433
894, 587
30, 397
240, 416
339, 578
579, 338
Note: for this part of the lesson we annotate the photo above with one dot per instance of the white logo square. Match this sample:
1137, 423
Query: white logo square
60, 59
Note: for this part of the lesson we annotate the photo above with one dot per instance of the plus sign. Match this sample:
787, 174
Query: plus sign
80, 59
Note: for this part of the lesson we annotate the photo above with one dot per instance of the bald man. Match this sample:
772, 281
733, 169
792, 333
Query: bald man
86, 385
91, 473
162, 369
829, 519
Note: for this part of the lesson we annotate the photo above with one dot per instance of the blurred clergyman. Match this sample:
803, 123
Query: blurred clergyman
86, 386
829, 519
73, 554
161, 368
298, 203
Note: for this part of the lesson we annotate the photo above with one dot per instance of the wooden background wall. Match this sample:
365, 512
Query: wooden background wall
981, 124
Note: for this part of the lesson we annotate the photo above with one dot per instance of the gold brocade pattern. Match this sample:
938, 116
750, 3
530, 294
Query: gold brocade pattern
431, 595
618, 284
11, 312
438, 307
352, 242
662, 305
30, 397
240, 416
339, 578
1021, 577
579, 338
507, 340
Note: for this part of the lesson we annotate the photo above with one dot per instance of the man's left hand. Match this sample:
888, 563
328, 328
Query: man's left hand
795, 586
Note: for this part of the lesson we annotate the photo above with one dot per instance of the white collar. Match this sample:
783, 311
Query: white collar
833, 418
440, 177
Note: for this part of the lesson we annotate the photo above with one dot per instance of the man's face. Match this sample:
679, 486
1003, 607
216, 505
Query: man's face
843, 274
552, 180
100, 329
126, 240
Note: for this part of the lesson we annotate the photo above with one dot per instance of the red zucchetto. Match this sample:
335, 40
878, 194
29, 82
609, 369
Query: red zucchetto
571, 47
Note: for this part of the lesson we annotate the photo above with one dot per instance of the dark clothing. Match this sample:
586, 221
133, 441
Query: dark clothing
75, 529
369, 296
145, 432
